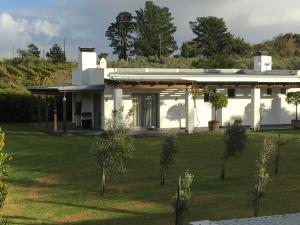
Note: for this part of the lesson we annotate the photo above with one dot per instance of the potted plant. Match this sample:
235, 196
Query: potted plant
294, 98
218, 101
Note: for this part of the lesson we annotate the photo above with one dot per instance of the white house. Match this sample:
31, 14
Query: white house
160, 98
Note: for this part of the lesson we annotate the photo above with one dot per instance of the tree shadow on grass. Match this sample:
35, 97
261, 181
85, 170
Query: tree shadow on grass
105, 209
22, 220
148, 219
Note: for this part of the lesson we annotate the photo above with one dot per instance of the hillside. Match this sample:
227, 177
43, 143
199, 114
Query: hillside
16, 75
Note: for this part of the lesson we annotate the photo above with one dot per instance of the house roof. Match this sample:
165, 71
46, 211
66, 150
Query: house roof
200, 76
288, 219
63, 89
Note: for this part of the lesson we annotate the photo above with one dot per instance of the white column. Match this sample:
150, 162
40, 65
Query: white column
255, 104
189, 112
117, 95
102, 107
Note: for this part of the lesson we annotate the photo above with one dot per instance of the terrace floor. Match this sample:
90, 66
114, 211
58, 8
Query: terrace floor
72, 130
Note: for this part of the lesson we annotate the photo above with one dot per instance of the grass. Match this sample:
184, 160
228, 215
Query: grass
54, 180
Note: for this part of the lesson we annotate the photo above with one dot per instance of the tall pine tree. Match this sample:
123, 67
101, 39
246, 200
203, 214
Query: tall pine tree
56, 54
154, 31
120, 35
212, 36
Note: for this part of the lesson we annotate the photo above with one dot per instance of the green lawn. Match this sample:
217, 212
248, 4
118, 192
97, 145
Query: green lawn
54, 180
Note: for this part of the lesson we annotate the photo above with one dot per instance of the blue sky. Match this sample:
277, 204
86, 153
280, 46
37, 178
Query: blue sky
22, 4
84, 22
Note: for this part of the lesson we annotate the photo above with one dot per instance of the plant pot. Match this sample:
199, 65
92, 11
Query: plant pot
213, 125
295, 124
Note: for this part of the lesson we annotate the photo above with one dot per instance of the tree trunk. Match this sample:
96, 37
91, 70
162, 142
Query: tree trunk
162, 177
103, 179
177, 216
277, 156
296, 112
257, 199
257, 206
223, 166
215, 114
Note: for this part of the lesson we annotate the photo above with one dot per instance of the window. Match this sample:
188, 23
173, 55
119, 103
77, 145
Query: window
231, 93
283, 91
207, 95
269, 91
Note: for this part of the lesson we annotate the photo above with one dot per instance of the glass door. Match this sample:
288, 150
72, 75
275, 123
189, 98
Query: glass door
145, 108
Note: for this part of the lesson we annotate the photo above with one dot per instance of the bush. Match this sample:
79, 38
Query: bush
17, 106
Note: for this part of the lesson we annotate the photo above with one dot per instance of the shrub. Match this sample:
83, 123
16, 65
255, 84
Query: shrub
16, 106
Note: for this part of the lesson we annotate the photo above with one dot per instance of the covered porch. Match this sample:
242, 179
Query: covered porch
71, 115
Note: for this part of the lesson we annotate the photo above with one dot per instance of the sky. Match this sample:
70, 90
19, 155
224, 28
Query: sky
84, 22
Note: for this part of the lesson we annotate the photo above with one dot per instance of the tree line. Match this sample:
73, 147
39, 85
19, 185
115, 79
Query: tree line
149, 32
32, 54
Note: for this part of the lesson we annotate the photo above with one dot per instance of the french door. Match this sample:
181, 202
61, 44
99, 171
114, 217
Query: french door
145, 110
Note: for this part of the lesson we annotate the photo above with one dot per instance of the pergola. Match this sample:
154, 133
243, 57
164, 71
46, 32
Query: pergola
61, 91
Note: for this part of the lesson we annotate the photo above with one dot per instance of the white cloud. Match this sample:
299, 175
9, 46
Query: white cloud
266, 18
83, 23
18, 32
45, 27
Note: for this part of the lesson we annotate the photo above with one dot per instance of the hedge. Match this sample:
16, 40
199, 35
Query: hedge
21, 106
17, 106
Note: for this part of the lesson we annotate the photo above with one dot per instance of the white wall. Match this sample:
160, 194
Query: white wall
172, 107
76, 77
278, 111
203, 112
96, 76
108, 105
238, 107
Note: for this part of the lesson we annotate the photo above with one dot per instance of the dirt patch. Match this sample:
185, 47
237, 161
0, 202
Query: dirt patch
137, 205
48, 180
38, 190
10, 205
34, 193
79, 217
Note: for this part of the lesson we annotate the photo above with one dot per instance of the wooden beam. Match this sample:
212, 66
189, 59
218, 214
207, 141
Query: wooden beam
154, 86
64, 127
54, 114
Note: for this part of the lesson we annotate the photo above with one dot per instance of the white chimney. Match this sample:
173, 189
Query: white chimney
103, 63
262, 62
87, 58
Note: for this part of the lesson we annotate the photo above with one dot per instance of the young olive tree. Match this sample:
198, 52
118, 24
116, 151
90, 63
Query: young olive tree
235, 140
218, 101
180, 201
262, 176
114, 147
169, 149
4, 158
